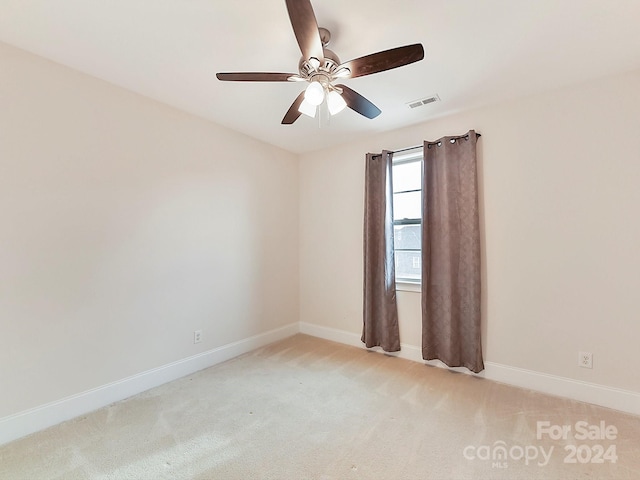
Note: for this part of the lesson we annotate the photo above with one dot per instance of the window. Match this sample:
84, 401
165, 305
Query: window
407, 215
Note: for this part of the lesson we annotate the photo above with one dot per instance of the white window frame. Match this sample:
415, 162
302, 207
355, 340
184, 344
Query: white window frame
409, 156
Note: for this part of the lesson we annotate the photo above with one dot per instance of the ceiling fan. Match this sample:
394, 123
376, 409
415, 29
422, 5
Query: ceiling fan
321, 67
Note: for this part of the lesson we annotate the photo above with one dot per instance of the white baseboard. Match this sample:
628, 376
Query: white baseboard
36, 419
408, 352
610, 397
332, 334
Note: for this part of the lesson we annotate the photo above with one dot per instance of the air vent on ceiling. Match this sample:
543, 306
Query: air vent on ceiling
424, 101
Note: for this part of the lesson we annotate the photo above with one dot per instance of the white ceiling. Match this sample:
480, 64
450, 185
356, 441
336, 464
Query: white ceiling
477, 52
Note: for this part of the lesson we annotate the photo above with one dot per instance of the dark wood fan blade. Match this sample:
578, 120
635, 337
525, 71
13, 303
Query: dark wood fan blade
305, 28
293, 114
254, 77
358, 103
386, 60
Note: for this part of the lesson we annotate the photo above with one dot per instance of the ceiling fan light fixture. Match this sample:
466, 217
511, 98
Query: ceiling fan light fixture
321, 67
307, 108
335, 102
314, 94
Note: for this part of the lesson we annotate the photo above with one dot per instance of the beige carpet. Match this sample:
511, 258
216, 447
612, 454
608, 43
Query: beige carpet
306, 408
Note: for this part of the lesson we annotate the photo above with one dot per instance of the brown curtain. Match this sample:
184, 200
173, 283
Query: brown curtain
451, 253
380, 310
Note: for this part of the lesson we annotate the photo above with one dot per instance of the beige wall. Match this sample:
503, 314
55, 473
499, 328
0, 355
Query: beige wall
560, 186
126, 225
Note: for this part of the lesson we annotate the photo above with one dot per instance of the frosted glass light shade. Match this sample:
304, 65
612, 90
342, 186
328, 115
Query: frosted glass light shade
307, 108
335, 102
314, 94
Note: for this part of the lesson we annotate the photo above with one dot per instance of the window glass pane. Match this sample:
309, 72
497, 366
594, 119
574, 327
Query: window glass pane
407, 205
407, 237
408, 265
407, 176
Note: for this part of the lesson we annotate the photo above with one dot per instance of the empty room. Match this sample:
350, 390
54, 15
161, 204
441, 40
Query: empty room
317, 239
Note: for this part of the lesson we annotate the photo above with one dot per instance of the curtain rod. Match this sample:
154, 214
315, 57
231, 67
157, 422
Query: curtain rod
428, 143
434, 143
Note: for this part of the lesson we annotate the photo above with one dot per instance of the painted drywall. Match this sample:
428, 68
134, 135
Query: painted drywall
559, 176
125, 225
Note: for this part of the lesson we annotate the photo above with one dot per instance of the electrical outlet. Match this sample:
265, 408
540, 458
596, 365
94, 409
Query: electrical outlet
585, 359
197, 336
